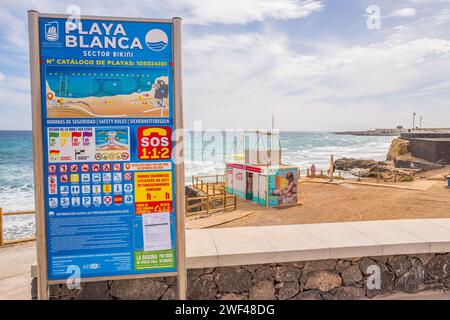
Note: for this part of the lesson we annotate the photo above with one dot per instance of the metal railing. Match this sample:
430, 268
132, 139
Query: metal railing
379, 176
320, 173
213, 184
4, 242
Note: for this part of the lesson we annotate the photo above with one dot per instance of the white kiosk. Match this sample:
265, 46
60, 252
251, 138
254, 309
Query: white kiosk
257, 173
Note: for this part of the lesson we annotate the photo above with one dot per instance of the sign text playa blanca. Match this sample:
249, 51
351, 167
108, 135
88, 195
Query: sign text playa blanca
99, 35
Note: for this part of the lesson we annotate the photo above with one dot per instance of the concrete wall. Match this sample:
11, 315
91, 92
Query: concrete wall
433, 150
428, 135
332, 279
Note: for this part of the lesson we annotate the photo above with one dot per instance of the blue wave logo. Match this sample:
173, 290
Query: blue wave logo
157, 46
156, 40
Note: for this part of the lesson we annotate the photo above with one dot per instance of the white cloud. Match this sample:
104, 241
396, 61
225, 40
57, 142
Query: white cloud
193, 11
2, 77
14, 30
242, 12
245, 74
428, 1
404, 12
260, 73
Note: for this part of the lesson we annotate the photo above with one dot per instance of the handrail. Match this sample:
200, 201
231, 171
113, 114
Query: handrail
4, 242
203, 183
205, 202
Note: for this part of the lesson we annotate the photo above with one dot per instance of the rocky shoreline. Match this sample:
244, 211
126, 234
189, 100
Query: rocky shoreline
393, 132
400, 165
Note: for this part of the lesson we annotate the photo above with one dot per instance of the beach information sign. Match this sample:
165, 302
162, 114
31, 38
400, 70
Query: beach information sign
108, 108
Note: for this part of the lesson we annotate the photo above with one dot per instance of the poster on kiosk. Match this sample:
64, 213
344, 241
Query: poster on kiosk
107, 116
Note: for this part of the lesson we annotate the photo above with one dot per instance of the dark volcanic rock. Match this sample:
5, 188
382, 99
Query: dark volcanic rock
364, 265
202, 289
349, 293
309, 295
379, 168
94, 291
400, 265
342, 265
351, 275
138, 289
439, 267
417, 165
287, 274
170, 294
288, 290
323, 281
320, 265
264, 290
347, 164
262, 273
412, 280
233, 296
233, 279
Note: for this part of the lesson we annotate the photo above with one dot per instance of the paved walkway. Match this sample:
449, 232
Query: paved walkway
303, 242
15, 271
216, 219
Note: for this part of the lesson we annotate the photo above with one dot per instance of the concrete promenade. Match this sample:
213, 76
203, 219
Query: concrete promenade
15, 271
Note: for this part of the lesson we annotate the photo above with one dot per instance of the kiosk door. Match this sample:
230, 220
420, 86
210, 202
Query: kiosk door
249, 186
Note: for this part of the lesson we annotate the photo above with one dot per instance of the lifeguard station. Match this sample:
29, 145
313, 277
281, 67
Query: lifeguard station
257, 173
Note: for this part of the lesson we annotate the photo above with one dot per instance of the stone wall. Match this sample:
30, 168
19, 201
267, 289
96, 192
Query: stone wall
322, 279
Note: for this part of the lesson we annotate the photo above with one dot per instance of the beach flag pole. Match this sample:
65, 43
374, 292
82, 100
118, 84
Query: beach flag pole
331, 167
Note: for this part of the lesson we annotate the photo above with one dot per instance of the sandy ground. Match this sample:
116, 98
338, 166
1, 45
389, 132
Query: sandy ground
322, 203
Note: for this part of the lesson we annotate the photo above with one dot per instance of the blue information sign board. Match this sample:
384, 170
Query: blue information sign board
107, 125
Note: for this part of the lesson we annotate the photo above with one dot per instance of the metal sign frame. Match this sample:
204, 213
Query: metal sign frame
38, 147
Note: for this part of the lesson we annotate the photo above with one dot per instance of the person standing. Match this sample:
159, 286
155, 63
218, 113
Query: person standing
313, 170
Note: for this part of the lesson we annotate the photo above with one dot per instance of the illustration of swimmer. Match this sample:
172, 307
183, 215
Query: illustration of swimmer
112, 140
161, 93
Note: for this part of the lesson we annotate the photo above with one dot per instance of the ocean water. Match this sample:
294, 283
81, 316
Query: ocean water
16, 182
203, 156
16, 171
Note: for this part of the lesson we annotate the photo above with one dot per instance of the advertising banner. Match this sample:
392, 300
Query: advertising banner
282, 186
107, 103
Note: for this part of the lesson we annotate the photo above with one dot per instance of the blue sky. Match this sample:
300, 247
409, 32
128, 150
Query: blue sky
315, 64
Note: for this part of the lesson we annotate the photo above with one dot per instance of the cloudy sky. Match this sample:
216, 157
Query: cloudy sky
315, 64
